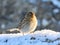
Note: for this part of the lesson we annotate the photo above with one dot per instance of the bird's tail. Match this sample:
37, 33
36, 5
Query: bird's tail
13, 29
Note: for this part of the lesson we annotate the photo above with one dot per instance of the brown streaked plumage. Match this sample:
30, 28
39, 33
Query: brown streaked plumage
28, 24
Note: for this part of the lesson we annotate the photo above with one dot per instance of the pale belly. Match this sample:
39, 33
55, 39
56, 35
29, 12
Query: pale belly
29, 28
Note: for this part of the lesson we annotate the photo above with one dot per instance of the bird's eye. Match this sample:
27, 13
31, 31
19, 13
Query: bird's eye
30, 13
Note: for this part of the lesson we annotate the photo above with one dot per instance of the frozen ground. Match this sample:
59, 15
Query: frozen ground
43, 37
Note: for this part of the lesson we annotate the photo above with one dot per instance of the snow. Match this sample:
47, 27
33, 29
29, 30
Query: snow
56, 2
43, 37
45, 22
56, 11
3, 26
33, 1
45, 0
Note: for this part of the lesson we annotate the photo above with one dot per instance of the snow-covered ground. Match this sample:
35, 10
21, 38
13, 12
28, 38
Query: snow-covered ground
43, 37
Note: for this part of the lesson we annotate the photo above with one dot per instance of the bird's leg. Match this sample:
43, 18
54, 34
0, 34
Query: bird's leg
32, 32
22, 33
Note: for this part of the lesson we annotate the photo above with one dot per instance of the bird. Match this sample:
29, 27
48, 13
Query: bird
28, 24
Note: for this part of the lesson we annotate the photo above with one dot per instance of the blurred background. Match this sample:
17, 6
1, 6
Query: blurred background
13, 11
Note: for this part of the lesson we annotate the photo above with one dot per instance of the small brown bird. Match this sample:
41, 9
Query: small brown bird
28, 24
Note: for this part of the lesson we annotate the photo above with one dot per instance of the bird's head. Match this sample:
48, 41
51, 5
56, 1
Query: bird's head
30, 15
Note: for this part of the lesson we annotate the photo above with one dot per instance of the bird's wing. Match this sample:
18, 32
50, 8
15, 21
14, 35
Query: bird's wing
22, 23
